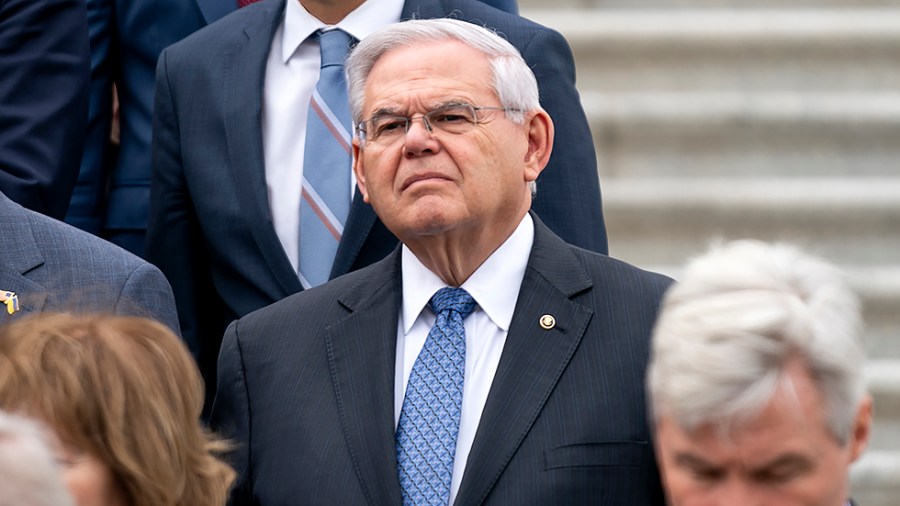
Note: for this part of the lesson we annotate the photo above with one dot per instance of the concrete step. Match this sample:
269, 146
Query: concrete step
884, 383
695, 49
657, 223
663, 221
528, 5
790, 134
875, 479
879, 290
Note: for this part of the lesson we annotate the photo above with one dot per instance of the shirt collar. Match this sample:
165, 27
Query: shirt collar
494, 285
299, 24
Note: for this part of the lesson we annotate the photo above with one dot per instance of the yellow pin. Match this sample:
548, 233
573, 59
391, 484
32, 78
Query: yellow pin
11, 300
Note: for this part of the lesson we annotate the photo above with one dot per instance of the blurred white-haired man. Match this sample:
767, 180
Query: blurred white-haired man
29, 475
755, 383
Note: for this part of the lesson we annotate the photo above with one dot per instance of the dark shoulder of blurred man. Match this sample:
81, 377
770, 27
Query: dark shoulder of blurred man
44, 74
112, 193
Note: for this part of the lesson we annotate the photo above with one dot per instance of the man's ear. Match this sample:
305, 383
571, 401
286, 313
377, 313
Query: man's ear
359, 170
862, 428
540, 131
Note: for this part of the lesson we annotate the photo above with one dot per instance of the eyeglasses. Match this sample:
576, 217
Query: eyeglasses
386, 129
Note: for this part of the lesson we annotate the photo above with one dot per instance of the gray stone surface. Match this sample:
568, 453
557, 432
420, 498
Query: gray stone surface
694, 50
707, 4
744, 134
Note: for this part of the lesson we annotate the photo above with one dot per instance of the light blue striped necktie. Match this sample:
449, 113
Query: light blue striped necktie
325, 201
429, 420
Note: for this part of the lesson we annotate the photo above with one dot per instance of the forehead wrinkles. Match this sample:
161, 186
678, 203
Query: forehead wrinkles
426, 76
404, 98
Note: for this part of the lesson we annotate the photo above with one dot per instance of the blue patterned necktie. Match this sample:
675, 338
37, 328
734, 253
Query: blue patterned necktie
325, 199
429, 420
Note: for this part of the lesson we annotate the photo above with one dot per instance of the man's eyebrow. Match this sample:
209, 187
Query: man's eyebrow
691, 460
786, 462
385, 111
453, 102
393, 111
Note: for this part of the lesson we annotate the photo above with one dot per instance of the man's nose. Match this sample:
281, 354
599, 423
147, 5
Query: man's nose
739, 492
420, 138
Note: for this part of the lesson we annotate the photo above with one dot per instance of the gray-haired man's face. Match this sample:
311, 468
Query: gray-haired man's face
785, 456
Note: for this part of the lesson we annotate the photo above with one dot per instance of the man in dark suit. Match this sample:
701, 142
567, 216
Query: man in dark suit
756, 380
112, 195
528, 390
226, 183
47, 265
44, 73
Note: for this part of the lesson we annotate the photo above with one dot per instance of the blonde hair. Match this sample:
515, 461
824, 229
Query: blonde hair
124, 389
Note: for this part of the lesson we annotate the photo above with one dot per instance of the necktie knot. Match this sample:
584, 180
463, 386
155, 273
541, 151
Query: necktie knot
334, 46
453, 299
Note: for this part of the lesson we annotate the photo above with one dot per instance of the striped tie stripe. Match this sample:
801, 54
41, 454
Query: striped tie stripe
331, 122
324, 214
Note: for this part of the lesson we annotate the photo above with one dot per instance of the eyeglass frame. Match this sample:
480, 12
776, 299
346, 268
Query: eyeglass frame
361, 131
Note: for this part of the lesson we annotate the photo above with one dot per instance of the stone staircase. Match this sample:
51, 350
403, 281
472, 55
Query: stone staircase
771, 119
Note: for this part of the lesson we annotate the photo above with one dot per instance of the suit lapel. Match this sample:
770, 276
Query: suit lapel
361, 355
21, 256
359, 224
244, 75
533, 360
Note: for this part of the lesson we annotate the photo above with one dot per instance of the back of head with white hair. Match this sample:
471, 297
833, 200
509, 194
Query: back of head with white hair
514, 82
29, 475
737, 316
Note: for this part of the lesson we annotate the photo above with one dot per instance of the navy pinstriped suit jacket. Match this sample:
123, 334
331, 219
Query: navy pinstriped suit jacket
44, 75
306, 390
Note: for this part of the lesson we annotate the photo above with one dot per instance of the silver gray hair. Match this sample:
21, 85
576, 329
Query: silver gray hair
738, 315
513, 81
29, 475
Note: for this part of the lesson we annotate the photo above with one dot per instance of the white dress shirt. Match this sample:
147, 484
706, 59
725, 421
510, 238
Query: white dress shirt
495, 287
292, 71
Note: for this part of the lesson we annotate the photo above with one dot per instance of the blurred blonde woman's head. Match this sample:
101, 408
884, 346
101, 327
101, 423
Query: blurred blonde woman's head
121, 390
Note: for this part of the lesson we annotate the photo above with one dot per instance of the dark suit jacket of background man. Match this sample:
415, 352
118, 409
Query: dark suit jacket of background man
306, 390
44, 75
112, 195
52, 266
211, 231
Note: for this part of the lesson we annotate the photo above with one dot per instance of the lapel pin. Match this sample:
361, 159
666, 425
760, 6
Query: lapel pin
547, 322
11, 300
